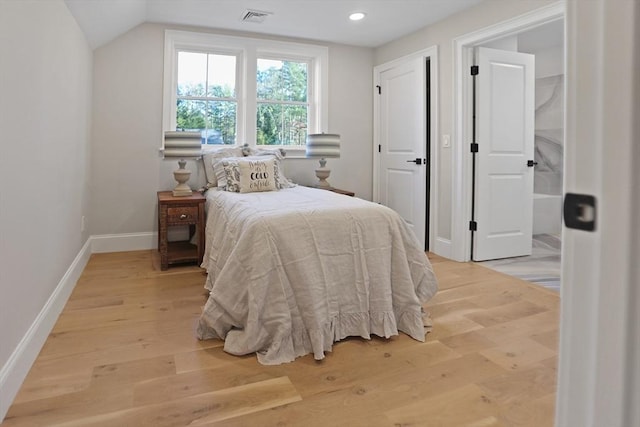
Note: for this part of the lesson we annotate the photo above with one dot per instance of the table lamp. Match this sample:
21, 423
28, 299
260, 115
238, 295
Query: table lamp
323, 145
182, 145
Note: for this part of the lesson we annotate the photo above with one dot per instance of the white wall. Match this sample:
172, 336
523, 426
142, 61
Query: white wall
351, 116
45, 104
442, 34
549, 62
127, 116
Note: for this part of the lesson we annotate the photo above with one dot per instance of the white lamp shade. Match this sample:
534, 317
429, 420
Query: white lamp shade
323, 145
182, 144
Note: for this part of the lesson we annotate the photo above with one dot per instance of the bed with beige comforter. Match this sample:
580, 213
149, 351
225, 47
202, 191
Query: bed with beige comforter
292, 271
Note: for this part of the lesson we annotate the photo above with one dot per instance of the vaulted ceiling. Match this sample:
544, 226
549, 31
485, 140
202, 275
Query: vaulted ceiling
322, 20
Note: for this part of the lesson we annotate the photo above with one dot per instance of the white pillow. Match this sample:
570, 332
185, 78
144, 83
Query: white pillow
279, 153
219, 172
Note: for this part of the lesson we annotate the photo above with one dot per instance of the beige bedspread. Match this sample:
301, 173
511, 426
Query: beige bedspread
292, 271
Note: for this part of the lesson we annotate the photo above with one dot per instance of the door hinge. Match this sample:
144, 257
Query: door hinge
473, 226
474, 147
379, 89
475, 70
379, 148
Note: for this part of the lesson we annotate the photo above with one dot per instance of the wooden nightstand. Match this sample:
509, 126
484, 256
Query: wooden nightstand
173, 211
339, 191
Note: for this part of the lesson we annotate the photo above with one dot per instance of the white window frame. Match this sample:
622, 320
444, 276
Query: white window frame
206, 97
310, 89
247, 51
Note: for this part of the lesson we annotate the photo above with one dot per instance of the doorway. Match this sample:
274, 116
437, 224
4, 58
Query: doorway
464, 47
543, 265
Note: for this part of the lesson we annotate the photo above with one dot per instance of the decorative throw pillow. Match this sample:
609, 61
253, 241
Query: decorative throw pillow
279, 154
280, 178
257, 175
219, 170
211, 157
246, 176
283, 181
232, 172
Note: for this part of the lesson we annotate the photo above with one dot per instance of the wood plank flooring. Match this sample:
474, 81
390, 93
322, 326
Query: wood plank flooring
124, 353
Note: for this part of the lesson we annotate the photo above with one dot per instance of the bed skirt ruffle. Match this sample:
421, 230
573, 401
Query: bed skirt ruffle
317, 341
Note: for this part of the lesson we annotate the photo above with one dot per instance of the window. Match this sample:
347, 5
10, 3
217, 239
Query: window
283, 109
236, 90
206, 96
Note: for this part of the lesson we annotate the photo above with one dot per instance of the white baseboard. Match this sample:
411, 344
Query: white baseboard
443, 247
13, 373
17, 367
123, 242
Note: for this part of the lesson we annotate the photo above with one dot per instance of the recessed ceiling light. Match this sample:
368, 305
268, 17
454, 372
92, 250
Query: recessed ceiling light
356, 16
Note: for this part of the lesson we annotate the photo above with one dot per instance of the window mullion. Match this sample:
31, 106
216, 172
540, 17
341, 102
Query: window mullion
271, 101
250, 96
205, 98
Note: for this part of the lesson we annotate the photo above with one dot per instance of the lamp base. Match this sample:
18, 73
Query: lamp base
322, 174
182, 175
182, 192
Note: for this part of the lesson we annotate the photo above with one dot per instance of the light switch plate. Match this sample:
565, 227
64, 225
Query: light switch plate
446, 141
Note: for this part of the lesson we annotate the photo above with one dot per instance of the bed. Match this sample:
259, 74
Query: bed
292, 271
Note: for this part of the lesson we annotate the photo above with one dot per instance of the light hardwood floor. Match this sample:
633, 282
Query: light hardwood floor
124, 353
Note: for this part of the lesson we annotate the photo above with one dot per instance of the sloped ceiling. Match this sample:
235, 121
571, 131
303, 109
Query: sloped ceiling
103, 21
322, 20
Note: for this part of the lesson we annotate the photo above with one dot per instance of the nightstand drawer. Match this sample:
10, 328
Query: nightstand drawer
182, 215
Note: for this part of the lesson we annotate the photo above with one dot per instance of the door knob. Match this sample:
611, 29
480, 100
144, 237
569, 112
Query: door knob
416, 161
531, 163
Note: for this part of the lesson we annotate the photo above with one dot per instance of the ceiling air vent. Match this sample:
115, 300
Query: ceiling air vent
255, 16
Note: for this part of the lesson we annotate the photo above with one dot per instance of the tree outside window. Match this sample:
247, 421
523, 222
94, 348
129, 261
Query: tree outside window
206, 99
282, 107
237, 90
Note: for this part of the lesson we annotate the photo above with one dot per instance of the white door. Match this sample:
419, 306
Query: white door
503, 192
402, 139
